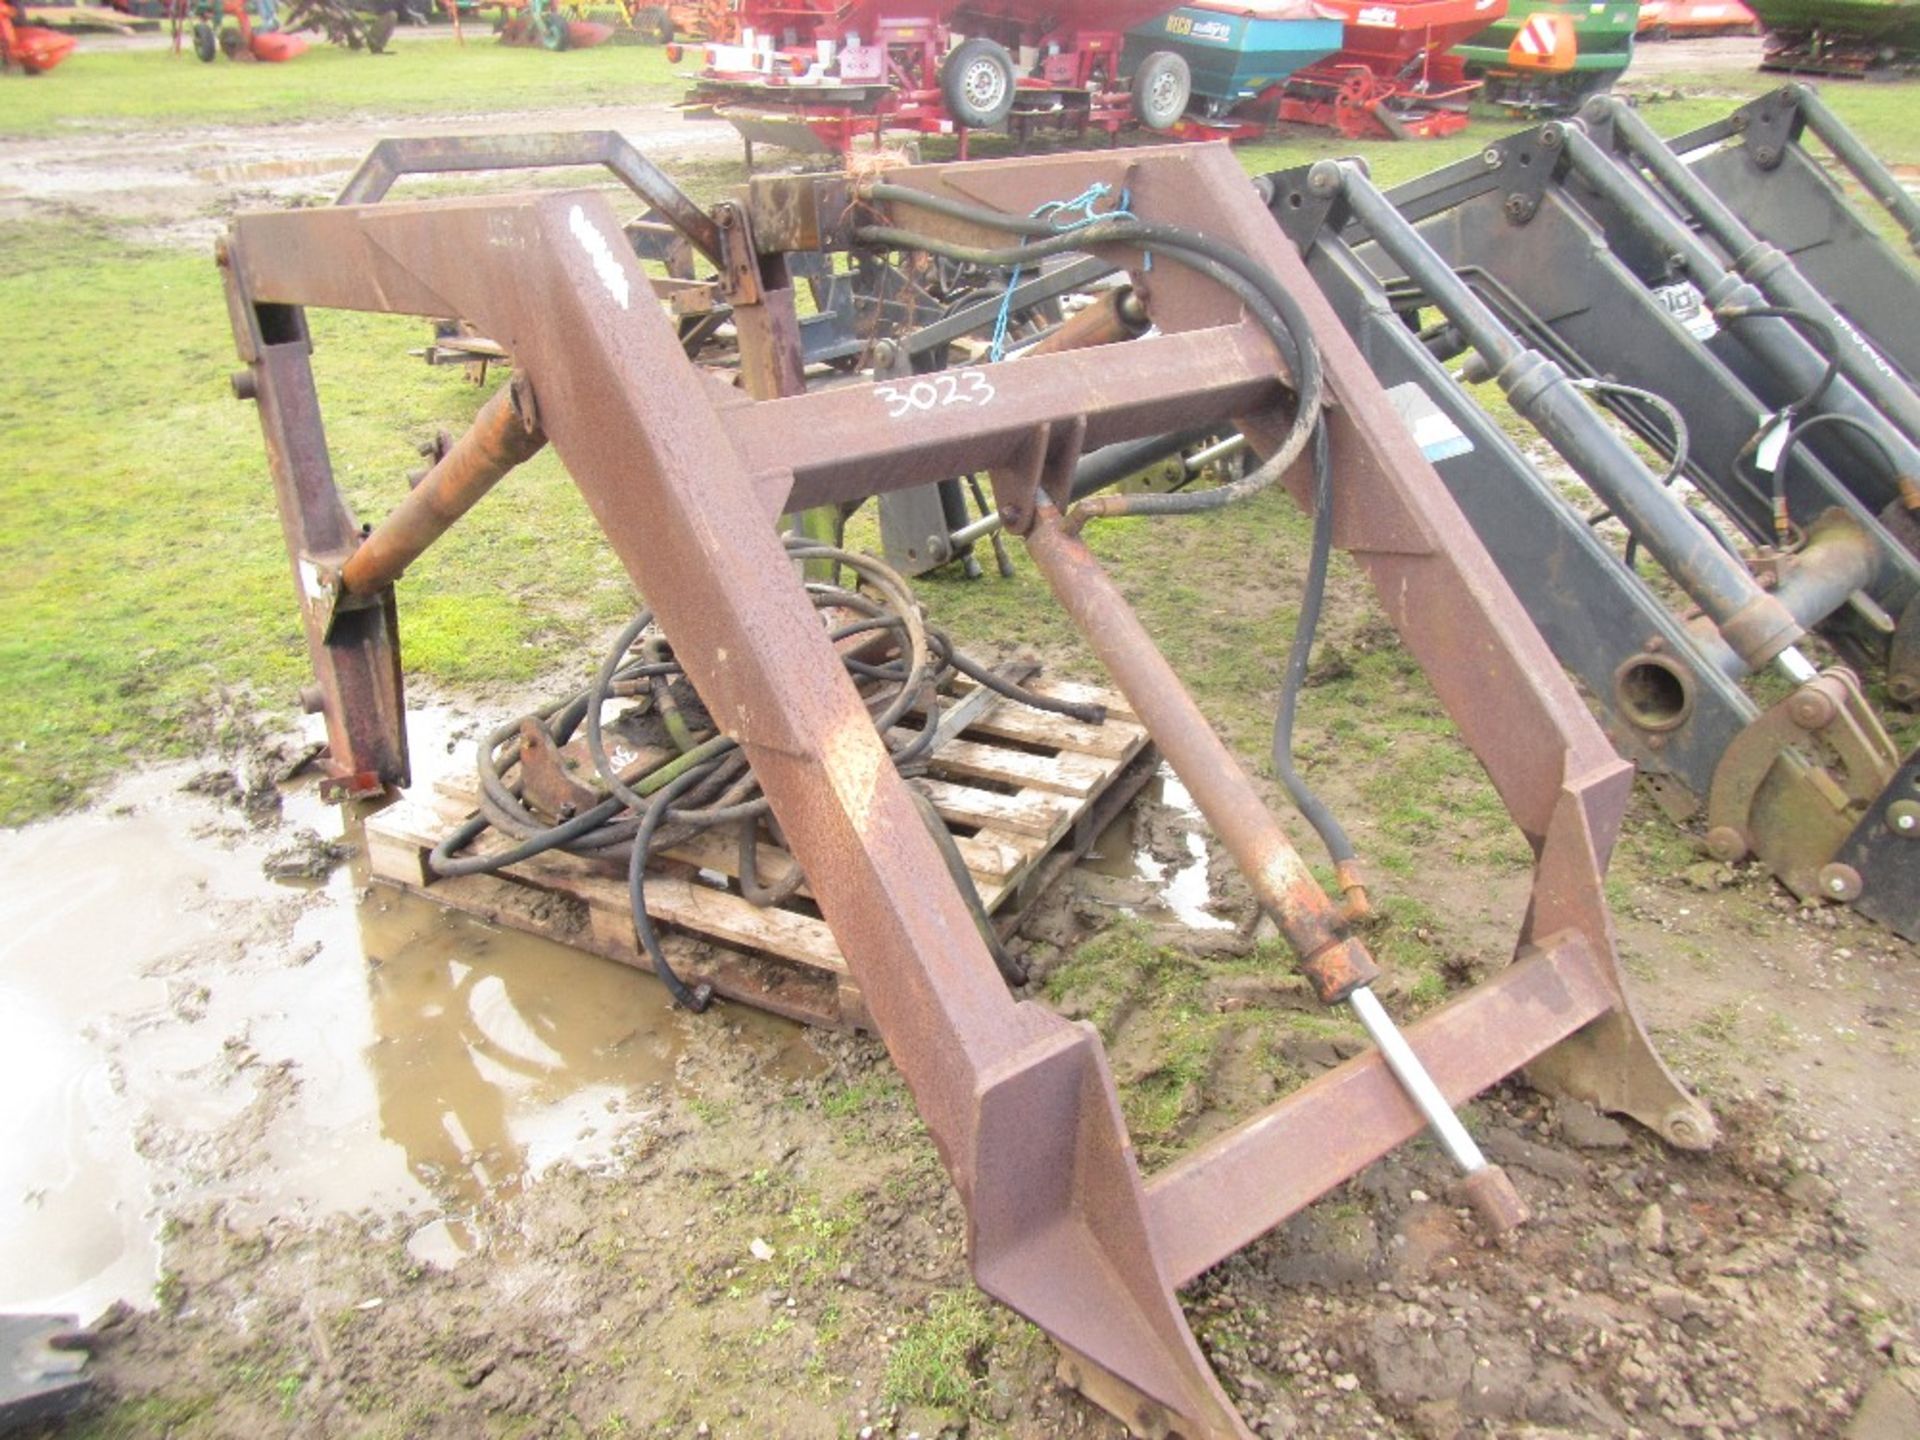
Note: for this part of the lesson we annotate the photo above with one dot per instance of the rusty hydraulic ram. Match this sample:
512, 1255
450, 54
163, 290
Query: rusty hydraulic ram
687, 474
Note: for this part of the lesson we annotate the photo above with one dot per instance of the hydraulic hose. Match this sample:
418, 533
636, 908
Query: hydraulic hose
708, 783
1270, 304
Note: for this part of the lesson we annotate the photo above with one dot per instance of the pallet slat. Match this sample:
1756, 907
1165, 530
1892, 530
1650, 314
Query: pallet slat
1030, 815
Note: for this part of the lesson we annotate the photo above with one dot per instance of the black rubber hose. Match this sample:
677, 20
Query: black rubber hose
1332, 834
695, 999
1271, 305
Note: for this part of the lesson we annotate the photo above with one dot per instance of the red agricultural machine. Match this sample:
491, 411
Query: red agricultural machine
244, 40
1394, 78
700, 20
819, 74
31, 49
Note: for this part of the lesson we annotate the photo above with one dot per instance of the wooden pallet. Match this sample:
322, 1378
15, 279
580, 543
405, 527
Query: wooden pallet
1025, 795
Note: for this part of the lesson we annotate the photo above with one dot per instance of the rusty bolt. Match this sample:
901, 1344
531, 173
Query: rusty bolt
222, 256
1520, 208
244, 385
1910, 493
1727, 844
1764, 156
1810, 710
1840, 882
1903, 818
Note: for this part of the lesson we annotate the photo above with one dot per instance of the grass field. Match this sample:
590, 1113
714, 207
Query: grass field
158, 90
144, 593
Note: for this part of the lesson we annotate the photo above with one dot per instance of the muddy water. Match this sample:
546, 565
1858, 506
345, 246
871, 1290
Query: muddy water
1169, 862
176, 1028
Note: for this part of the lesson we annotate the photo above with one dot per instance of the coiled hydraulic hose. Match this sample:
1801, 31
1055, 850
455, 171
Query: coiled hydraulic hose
708, 783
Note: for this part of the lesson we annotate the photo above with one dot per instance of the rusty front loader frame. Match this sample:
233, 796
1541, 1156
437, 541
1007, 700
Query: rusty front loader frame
688, 473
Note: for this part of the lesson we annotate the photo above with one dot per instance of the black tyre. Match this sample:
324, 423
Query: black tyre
553, 31
978, 83
204, 43
652, 23
381, 31
1162, 88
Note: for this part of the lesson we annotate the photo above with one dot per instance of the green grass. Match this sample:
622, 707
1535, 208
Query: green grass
941, 1359
155, 89
145, 596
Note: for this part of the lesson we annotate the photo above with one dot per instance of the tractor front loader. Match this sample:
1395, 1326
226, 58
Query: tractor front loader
1554, 266
688, 475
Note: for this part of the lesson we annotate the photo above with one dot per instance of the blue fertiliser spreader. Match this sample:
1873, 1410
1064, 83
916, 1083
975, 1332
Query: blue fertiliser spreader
1237, 52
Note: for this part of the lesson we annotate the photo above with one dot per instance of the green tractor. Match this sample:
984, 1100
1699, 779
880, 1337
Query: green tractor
1547, 56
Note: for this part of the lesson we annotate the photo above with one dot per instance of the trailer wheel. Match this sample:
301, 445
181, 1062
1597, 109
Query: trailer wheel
204, 45
553, 31
977, 83
653, 23
1162, 87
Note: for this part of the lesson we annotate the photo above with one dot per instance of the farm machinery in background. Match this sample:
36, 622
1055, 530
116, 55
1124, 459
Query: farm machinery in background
820, 74
1548, 56
199, 24
1842, 38
30, 49
702, 21
823, 75
1663, 20
261, 32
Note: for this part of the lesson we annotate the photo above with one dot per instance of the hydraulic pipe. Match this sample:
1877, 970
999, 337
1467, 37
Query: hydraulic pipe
503, 435
1280, 880
1338, 966
1118, 314
1756, 625
1767, 266
1838, 559
1864, 165
1776, 341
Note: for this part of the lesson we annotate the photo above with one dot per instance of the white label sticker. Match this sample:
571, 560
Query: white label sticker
1766, 458
601, 253
1687, 305
1436, 434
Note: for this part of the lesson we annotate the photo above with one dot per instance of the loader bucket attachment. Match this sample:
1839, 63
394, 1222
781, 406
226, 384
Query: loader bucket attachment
687, 473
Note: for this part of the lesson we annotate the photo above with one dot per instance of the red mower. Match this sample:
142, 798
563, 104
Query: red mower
819, 74
1393, 78
31, 49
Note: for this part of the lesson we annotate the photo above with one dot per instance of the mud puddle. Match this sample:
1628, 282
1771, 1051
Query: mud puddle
176, 1027
1157, 855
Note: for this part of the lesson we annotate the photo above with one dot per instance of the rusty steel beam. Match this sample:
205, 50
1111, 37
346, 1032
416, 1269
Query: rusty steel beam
388, 161
684, 475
